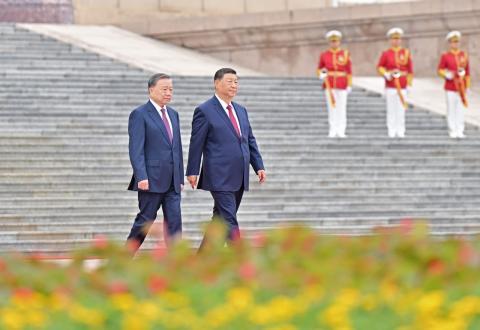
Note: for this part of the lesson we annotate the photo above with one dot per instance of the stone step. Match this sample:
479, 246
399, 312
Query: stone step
125, 222
118, 136
410, 210
121, 234
255, 193
64, 154
273, 169
188, 209
319, 194
291, 141
69, 175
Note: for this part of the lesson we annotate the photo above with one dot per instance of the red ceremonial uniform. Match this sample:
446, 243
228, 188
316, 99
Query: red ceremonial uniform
396, 59
339, 66
453, 61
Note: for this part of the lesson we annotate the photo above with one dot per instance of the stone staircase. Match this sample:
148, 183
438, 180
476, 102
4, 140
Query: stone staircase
64, 164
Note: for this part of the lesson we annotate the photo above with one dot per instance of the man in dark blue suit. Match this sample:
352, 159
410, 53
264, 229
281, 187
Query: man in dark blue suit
155, 150
221, 132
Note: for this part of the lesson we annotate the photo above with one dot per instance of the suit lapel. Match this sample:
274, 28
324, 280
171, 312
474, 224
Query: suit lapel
224, 116
158, 120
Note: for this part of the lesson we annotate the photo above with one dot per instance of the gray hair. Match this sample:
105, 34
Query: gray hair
156, 77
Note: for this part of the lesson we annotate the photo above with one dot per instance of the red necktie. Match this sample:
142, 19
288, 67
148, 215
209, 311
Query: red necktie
232, 119
167, 125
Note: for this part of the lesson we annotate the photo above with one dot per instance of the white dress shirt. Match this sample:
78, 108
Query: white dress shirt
224, 106
159, 109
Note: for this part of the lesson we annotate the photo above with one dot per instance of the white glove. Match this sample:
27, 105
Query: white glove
323, 75
448, 75
388, 76
349, 89
461, 73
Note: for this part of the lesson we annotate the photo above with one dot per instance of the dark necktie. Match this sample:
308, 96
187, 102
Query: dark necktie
167, 126
232, 119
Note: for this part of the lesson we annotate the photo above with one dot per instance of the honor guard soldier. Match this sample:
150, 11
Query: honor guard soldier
395, 65
454, 68
335, 73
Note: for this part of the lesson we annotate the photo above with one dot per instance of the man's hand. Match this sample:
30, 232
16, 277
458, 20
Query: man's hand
388, 76
262, 176
143, 185
192, 179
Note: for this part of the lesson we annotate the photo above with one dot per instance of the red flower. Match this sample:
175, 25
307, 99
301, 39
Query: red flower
22, 293
466, 254
159, 252
116, 287
436, 267
247, 271
157, 284
100, 242
406, 226
259, 240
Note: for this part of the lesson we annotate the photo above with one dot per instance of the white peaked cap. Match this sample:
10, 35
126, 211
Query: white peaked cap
333, 33
395, 30
453, 34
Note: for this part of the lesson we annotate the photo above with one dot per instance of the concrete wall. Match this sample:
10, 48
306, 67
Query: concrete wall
123, 11
36, 11
288, 43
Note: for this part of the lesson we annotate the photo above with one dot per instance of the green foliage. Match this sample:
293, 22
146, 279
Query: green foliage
286, 279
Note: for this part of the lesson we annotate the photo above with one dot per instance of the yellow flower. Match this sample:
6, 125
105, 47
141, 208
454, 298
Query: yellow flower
12, 319
220, 315
282, 308
123, 301
133, 322
259, 315
174, 299
278, 309
466, 307
337, 314
430, 303
88, 316
240, 298
148, 310
36, 318
348, 297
